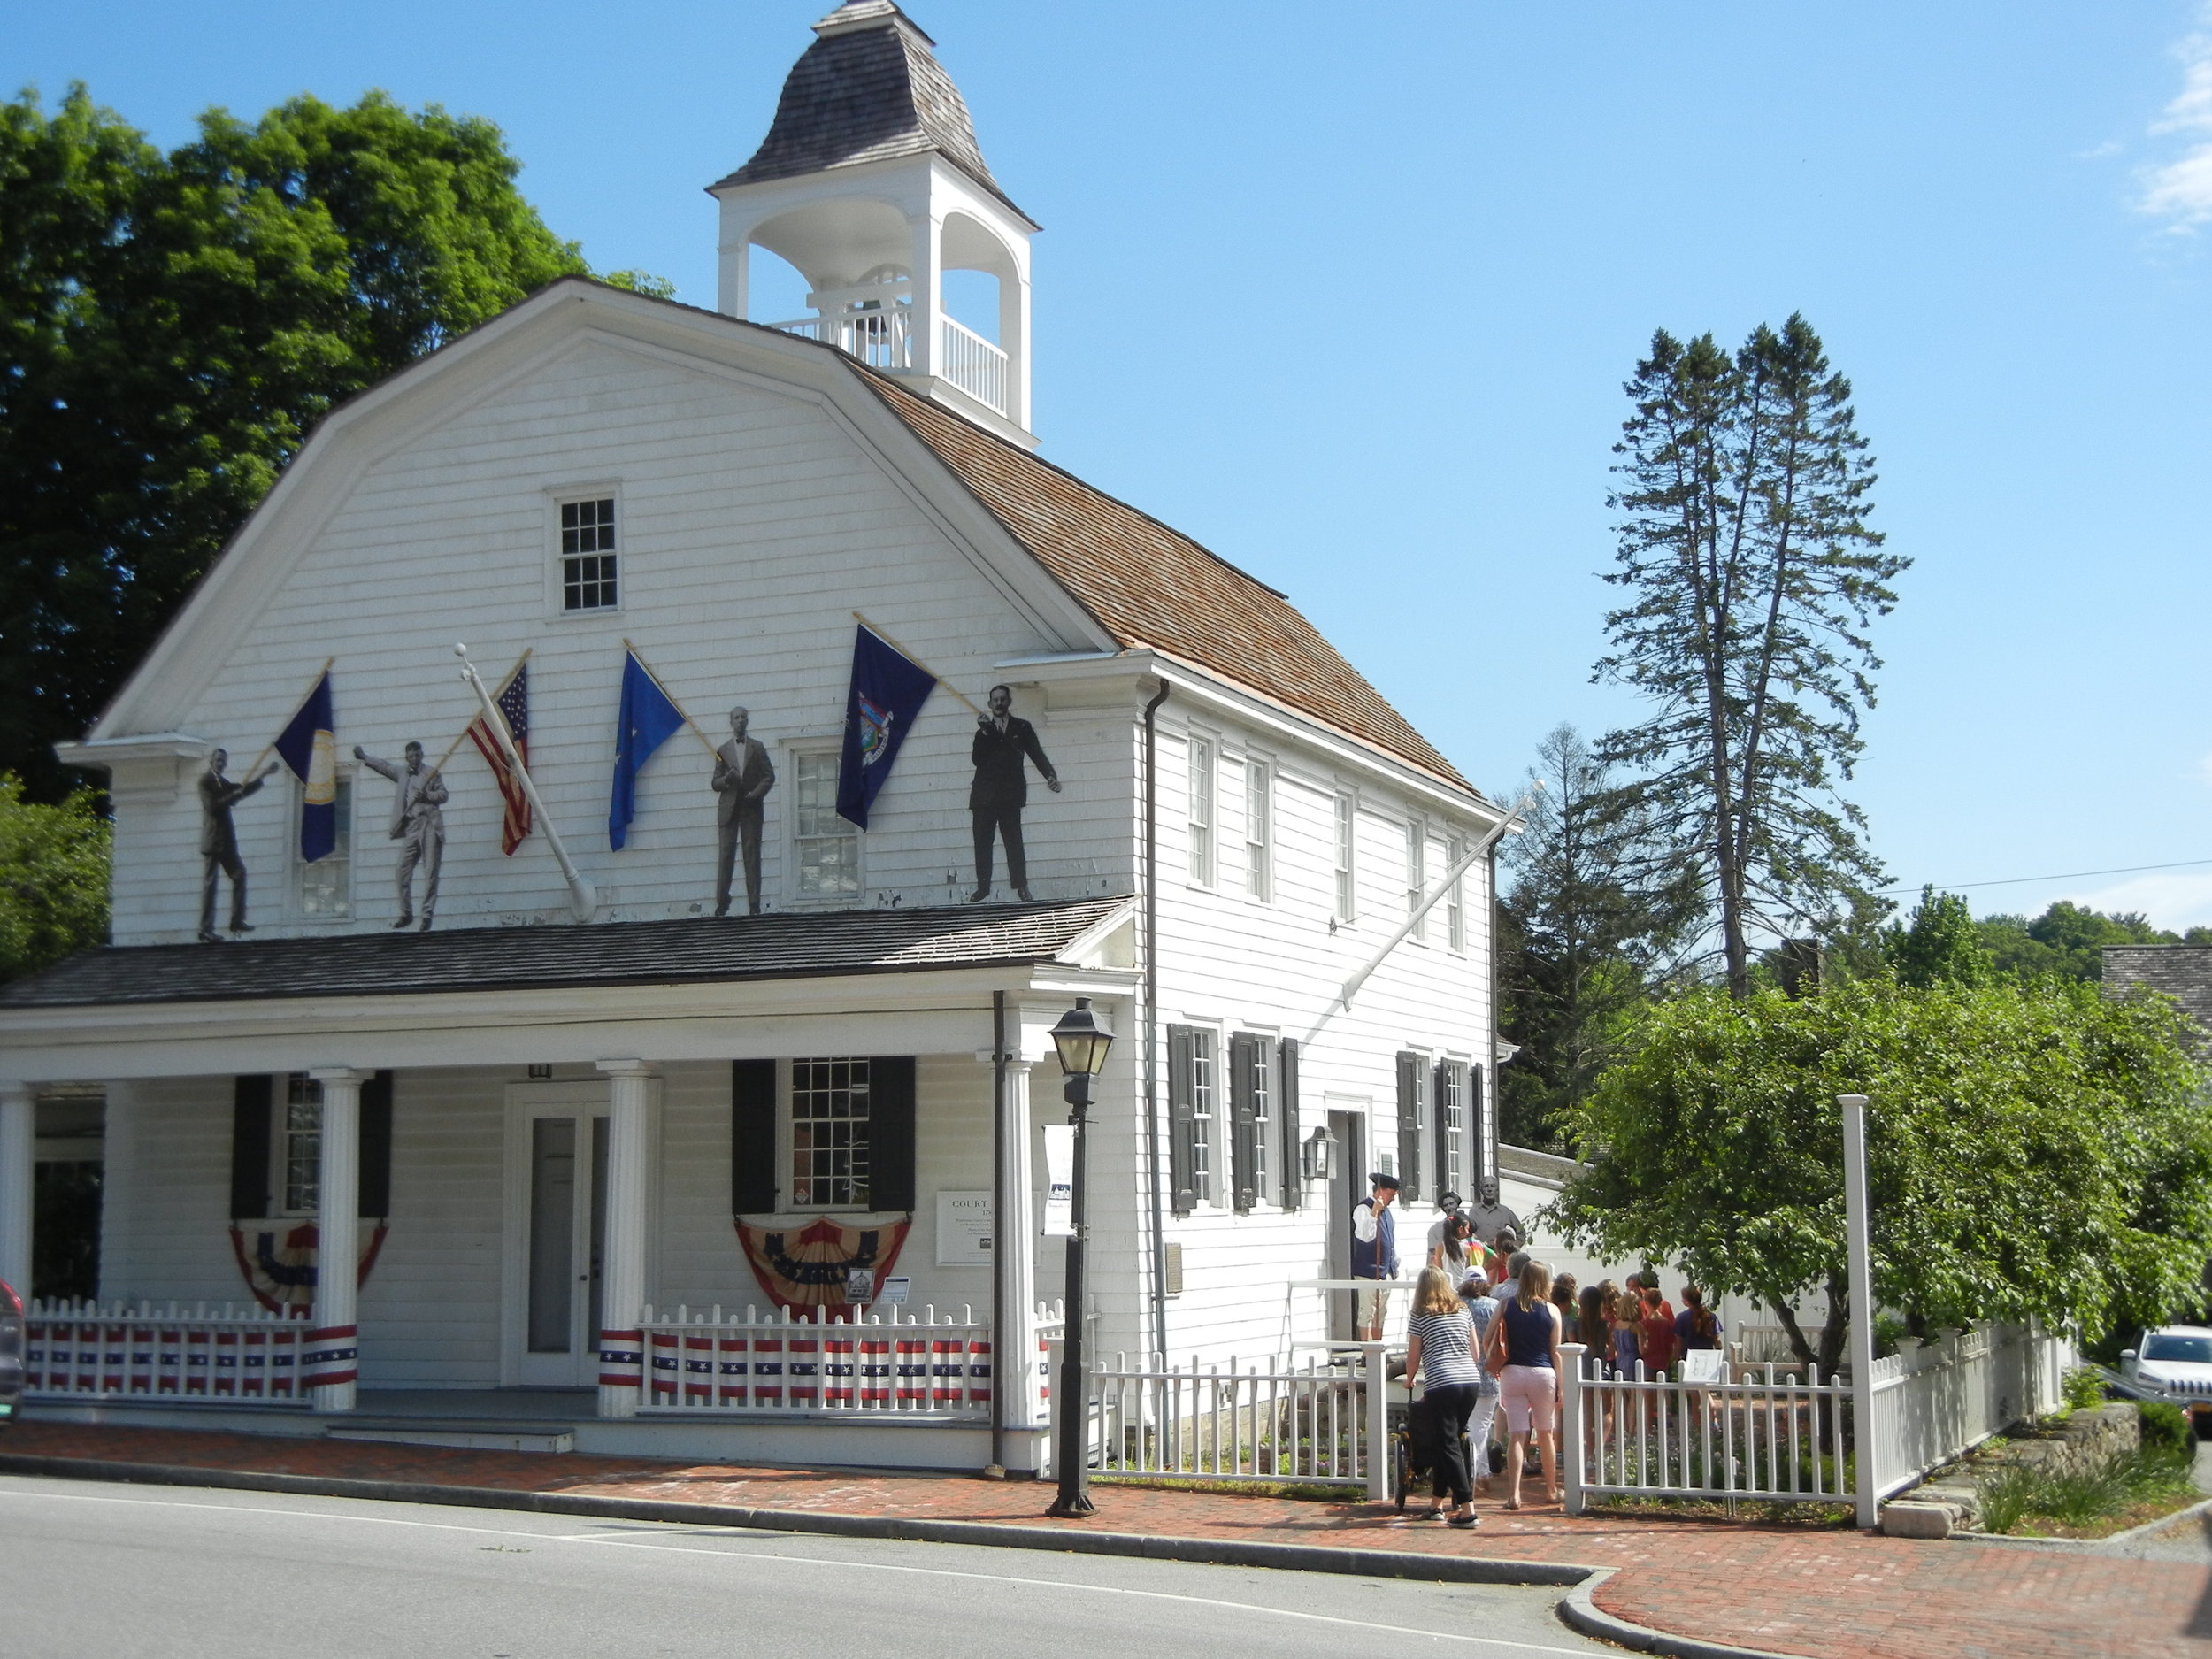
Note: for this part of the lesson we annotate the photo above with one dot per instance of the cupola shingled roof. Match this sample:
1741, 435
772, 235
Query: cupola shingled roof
868, 90
1153, 587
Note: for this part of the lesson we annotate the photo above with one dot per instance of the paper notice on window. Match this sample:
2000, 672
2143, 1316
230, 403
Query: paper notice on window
1059, 1219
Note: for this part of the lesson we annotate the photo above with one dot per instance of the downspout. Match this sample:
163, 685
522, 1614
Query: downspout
1003, 1372
1494, 1103
1152, 1016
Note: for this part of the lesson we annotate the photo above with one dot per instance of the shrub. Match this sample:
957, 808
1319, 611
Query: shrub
2165, 1428
2007, 1496
2082, 1389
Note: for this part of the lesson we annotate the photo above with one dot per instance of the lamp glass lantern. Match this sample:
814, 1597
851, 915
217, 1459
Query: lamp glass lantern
1082, 1040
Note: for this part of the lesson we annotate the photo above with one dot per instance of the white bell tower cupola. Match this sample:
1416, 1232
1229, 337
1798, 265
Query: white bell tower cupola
870, 183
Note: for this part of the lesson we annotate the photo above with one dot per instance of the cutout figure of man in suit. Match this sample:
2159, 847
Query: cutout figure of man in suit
744, 776
1003, 739
418, 822
218, 843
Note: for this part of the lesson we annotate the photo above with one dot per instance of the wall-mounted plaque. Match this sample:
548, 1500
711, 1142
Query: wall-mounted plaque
963, 1229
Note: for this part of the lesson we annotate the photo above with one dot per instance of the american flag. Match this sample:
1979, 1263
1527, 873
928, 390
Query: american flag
514, 705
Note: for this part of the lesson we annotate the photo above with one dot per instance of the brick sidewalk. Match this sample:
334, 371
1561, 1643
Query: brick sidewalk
1827, 1593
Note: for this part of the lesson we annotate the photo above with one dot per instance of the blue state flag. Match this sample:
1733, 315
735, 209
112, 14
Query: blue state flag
309, 748
649, 717
887, 692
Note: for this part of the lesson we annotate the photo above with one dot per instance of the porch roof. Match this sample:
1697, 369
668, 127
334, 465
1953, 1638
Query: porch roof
692, 951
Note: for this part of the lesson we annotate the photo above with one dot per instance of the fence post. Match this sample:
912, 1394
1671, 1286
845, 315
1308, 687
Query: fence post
1865, 1485
1571, 1423
1378, 1421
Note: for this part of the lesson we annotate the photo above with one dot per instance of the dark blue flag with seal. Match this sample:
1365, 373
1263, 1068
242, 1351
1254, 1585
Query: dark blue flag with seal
309, 747
649, 718
887, 692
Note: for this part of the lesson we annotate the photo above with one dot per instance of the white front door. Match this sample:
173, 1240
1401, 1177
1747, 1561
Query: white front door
557, 1234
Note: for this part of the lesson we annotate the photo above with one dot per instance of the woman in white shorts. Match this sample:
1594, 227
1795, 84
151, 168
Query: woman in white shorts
1526, 1338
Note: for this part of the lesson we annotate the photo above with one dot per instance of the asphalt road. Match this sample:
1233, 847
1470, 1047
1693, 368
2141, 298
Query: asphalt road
119, 1571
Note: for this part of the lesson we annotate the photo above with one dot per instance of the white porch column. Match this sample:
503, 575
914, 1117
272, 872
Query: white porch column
1018, 1271
18, 1151
622, 1272
333, 1346
924, 350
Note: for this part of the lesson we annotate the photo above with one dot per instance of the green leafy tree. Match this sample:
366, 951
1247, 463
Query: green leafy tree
173, 326
2069, 939
1751, 578
2033, 1149
1938, 945
53, 879
1583, 936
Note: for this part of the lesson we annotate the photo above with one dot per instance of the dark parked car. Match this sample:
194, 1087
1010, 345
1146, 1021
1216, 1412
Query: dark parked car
11, 1352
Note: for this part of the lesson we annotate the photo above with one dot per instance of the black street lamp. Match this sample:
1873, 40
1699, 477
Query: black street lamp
1082, 1040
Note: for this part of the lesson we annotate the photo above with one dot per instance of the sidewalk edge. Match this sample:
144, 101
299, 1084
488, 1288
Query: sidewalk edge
1217, 1552
1581, 1610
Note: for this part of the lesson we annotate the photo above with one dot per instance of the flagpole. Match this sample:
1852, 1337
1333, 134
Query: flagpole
917, 660
583, 899
311, 684
453, 748
673, 703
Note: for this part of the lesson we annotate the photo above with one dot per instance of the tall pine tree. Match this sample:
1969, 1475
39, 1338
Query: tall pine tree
1751, 578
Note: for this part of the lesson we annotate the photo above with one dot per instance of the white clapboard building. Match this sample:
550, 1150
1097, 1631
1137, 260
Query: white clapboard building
592, 1141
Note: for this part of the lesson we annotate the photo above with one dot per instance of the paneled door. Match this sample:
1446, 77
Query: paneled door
556, 1239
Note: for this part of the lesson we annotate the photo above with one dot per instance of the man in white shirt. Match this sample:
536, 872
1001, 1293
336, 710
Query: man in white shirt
1374, 1252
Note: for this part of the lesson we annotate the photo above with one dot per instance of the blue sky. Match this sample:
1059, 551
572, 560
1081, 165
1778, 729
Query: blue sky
1348, 293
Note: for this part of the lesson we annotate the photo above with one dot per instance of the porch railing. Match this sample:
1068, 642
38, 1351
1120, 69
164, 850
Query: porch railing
1316, 1421
928, 1364
93, 1349
1753, 1432
972, 363
878, 338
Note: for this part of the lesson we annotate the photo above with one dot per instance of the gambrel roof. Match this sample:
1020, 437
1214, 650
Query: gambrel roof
1151, 586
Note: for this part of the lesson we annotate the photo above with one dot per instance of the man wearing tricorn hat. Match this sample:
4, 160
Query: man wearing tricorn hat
1374, 1251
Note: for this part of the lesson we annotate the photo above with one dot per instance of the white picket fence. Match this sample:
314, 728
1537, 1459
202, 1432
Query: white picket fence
914, 1365
1320, 1420
1768, 1432
86, 1349
1759, 1431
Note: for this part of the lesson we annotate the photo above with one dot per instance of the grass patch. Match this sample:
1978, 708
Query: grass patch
2130, 1489
1755, 1511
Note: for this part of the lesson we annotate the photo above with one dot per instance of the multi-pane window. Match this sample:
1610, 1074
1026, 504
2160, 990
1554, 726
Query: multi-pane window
1451, 1123
324, 889
1201, 1111
299, 1149
587, 555
1252, 1059
1259, 829
1347, 881
1417, 875
1455, 901
1201, 812
829, 1135
827, 847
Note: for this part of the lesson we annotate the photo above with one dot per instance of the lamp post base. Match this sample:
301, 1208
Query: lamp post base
1078, 1507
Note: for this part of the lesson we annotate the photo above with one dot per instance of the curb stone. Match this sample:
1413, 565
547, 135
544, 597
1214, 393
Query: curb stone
1581, 1610
1578, 1610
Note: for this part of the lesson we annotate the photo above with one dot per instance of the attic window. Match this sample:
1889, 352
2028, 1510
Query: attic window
588, 556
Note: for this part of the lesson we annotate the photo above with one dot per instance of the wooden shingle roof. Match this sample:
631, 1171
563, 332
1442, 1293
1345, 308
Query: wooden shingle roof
1153, 587
868, 90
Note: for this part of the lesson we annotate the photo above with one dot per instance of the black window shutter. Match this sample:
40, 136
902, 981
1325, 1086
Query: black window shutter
249, 1148
1245, 1137
752, 1137
375, 1188
1289, 1150
1409, 1116
891, 1133
1182, 1140
1484, 1155
1440, 1129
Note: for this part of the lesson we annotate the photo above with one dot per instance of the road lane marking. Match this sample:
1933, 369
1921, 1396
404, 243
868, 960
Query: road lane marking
639, 1540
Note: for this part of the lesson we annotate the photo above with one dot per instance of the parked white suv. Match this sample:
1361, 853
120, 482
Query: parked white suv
2175, 1362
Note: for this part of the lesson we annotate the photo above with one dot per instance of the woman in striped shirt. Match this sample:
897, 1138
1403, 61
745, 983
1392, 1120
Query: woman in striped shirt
1439, 1350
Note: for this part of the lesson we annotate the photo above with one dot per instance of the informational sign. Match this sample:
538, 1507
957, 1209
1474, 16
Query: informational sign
1059, 1181
1700, 1365
963, 1229
895, 1290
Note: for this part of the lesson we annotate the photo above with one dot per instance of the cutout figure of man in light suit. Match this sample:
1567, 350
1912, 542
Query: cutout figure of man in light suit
744, 776
417, 823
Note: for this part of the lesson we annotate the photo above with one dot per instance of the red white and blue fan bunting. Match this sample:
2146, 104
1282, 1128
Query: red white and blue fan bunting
278, 1259
806, 1262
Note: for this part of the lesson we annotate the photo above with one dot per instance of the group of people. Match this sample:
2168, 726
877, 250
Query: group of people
1484, 1338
